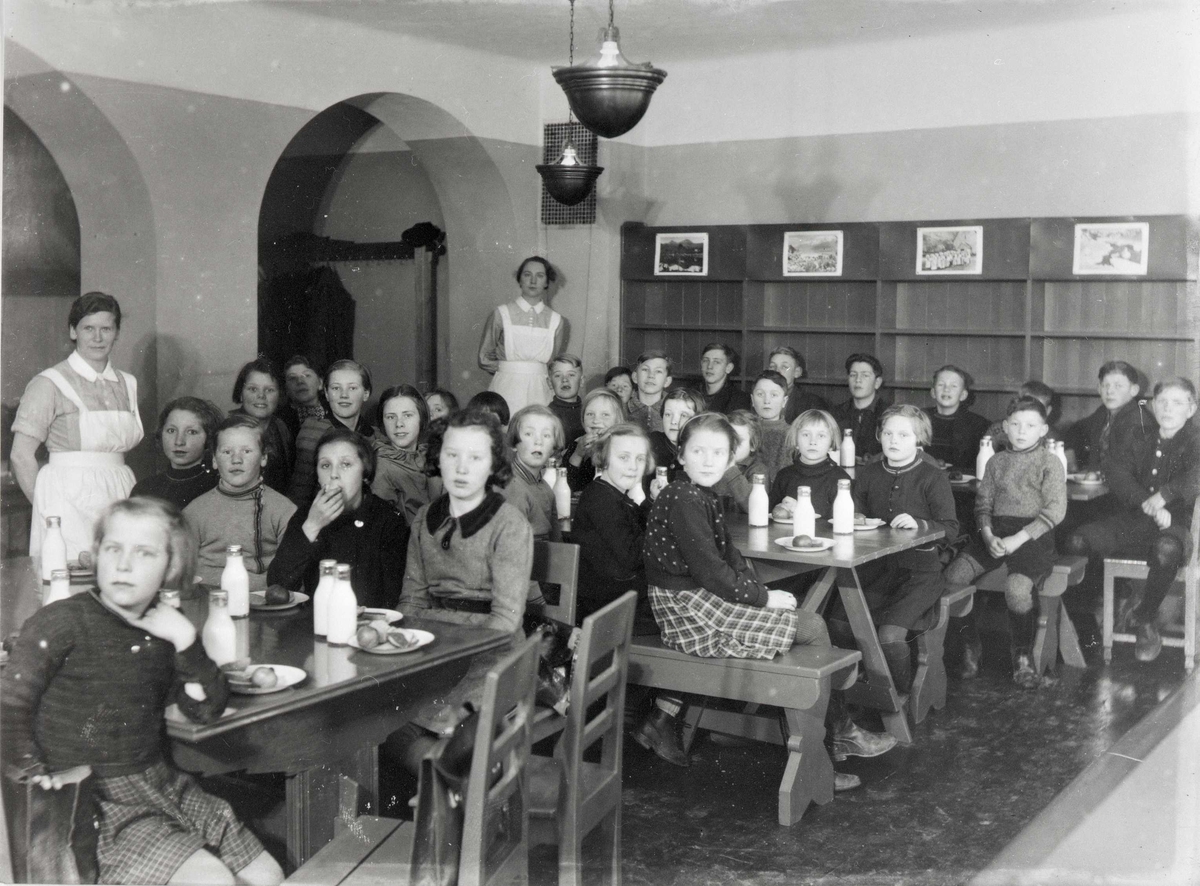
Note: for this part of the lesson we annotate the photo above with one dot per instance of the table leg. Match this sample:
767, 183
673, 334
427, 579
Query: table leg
877, 690
313, 795
817, 594
808, 776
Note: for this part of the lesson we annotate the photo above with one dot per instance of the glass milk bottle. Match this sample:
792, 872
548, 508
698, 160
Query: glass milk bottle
562, 494
343, 609
59, 588
804, 519
235, 581
219, 636
985, 453
550, 475
54, 548
1060, 450
843, 510
321, 597
846, 453
760, 508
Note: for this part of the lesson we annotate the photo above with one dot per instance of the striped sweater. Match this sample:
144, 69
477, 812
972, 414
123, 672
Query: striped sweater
255, 519
1030, 484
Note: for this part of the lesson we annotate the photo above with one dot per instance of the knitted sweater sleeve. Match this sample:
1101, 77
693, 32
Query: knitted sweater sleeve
193, 665
695, 538
44, 643
511, 563
414, 595
1054, 497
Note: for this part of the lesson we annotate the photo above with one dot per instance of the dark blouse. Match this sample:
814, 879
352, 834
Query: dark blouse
863, 424
610, 530
372, 539
956, 437
179, 487
918, 489
822, 481
801, 400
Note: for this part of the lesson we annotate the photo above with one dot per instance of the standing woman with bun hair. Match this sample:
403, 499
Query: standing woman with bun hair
86, 413
521, 336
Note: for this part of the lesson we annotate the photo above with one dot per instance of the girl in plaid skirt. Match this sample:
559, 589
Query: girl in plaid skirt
705, 597
90, 679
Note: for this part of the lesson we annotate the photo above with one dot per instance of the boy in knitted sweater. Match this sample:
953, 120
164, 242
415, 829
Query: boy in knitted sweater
1022, 497
242, 510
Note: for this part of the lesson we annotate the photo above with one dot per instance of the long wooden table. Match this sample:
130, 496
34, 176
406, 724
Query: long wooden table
331, 723
839, 566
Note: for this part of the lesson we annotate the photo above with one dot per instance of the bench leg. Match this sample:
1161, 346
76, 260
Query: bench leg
1045, 639
1107, 627
929, 680
1068, 640
808, 776
692, 714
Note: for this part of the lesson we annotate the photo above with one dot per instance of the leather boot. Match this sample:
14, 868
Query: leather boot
1022, 627
659, 732
845, 781
848, 739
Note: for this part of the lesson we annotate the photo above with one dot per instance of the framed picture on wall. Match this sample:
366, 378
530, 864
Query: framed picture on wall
812, 254
943, 252
681, 255
1112, 248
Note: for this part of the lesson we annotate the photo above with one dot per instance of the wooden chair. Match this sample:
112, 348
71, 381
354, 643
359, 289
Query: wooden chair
1189, 575
50, 835
372, 851
555, 563
558, 563
570, 798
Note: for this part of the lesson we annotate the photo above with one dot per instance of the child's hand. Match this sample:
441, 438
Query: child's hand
904, 521
637, 494
53, 781
780, 599
995, 546
167, 623
657, 486
1163, 519
1153, 504
1013, 542
326, 507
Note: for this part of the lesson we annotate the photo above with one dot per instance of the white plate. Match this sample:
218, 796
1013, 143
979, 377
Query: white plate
423, 638
962, 481
872, 523
287, 675
367, 614
258, 598
821, 544
1078, 478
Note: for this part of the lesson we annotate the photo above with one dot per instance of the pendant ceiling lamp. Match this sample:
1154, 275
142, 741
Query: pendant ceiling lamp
568, 180
608, 93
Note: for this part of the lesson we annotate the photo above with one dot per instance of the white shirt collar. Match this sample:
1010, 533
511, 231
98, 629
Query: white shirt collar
526, 306
83, 368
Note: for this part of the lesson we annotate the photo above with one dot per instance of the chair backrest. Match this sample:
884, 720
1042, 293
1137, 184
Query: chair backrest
495, 847
558, 563
597, 709
1194, 563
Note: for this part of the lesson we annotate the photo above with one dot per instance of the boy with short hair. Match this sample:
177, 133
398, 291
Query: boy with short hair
242, 510
1022, 496
789, 363
1153, 481
956, 429
619, 380
718, 361
861, 414
566, 375
1088, 439
651, 380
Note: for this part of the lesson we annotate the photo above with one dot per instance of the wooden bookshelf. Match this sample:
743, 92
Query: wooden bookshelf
1025, 316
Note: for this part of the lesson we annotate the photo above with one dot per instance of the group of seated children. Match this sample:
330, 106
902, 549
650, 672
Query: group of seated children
437, 509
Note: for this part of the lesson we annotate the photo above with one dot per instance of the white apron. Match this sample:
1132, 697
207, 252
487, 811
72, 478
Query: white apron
77, 486
523, 378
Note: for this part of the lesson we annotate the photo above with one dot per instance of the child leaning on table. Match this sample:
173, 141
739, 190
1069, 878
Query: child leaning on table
89, 681
908, 492
1022, 496
707, 600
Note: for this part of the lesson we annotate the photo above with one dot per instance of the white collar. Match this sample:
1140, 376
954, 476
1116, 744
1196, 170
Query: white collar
84, 368
526, 306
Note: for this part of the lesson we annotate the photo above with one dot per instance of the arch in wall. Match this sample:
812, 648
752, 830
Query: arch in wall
112, 200
481, 221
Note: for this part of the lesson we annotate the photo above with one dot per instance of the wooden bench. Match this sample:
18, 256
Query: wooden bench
1055, 632
799, 682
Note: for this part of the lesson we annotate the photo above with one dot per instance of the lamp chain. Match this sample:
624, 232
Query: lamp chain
572, 49
570, 63
610, 13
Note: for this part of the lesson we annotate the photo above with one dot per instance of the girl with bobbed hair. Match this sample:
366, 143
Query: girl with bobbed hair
85, 411
521, 336
257, 392
187, 432
400, 476
346, 522
469, 559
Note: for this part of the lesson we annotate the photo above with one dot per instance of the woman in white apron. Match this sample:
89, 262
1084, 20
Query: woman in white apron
521, 337
86, 413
